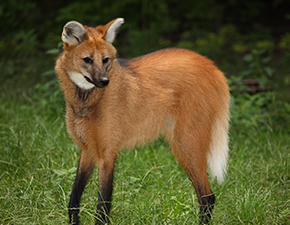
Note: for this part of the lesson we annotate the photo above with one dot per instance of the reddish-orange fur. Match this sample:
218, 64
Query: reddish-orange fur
173, 91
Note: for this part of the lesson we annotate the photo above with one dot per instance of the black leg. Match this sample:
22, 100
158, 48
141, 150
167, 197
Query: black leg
105, 194
206, 207
81, 180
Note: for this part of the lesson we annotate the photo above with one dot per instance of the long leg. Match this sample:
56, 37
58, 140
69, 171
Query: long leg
106, 170
191, 154
85, 168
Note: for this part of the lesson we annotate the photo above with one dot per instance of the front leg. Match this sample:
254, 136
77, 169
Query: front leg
85, 169
106, 170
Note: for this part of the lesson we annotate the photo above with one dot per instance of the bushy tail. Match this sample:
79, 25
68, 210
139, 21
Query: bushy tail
218, 155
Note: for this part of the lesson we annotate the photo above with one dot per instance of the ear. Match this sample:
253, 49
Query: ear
73, 33
110, 30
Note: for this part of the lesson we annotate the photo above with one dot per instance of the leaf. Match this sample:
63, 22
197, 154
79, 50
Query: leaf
60, 172
245, 73
134, 179
260, 51
72, 170
63, 172
48, 73
53, 51
266, 59
287, 106
248, 58
269, 71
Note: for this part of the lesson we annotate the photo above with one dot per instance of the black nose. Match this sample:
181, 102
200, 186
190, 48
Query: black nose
104, 81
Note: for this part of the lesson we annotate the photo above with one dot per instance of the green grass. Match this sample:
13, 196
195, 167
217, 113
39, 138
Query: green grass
38, 163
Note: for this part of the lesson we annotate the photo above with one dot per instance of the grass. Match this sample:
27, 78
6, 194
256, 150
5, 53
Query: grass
38, 163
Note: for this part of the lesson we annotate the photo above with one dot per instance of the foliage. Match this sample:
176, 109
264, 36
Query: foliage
48, 94
258, 66
263, 109
13, 13
285, 41
49, 97
149, 25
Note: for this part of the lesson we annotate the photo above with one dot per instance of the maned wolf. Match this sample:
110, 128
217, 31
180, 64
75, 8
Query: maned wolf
113, 103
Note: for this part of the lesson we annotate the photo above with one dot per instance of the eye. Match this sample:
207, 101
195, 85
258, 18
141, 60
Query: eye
88, 60
105, 60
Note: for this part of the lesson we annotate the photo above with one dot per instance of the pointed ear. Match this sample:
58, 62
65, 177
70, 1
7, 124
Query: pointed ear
73, 33
110, 30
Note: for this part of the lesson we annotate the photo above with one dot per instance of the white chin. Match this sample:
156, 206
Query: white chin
80, 81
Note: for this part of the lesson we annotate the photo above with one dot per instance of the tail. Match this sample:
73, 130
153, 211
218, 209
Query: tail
218, 155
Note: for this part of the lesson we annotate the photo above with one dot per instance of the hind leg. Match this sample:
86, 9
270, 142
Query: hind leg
191, 154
